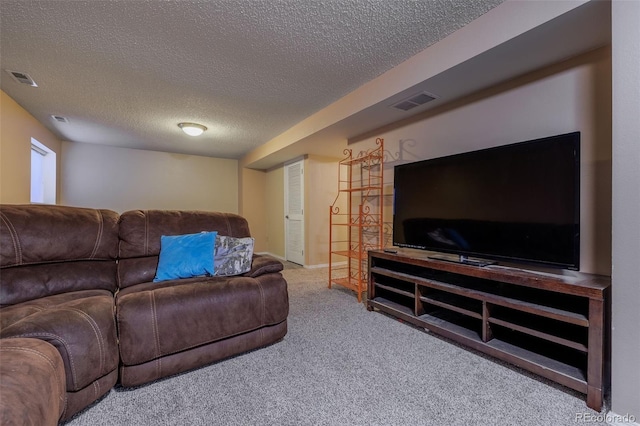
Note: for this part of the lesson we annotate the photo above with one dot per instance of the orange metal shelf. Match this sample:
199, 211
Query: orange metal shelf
374, 158
361, 179
353, 254
361, 189
357, 225
350, 283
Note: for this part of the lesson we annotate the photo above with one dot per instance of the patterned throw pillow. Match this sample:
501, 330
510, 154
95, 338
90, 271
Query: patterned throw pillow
232, 256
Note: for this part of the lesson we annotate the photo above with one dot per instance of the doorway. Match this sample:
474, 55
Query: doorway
294, 211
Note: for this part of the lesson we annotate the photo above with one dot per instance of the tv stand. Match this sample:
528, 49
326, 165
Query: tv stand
551, 325
462, 259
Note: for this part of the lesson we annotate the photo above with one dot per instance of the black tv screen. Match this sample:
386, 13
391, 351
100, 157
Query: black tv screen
518, 202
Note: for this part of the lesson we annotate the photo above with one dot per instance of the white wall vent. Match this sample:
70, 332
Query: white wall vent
60, 119
414, 101
22, 77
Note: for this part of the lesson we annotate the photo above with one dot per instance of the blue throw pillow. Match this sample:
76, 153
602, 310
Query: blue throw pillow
186, 256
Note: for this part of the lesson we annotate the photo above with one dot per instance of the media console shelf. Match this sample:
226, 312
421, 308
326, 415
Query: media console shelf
549, 324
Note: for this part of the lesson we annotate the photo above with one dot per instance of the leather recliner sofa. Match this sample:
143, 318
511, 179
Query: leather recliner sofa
82, 280
176, 325
57, 282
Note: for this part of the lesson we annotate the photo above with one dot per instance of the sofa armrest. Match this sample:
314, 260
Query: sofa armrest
263, 265
32, 389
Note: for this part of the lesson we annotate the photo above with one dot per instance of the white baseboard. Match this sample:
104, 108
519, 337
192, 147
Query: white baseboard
326, 265
266, 253
318, 266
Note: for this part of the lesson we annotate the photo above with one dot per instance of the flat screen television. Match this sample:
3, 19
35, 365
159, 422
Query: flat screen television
517, 202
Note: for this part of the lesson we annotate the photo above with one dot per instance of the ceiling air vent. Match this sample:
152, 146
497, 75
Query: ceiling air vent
414, 101
60, 119
22, 77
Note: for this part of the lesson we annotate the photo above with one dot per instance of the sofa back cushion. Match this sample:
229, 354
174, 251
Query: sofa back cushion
47, 250
140, 232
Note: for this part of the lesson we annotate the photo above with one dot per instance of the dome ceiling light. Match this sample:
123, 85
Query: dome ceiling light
192, 129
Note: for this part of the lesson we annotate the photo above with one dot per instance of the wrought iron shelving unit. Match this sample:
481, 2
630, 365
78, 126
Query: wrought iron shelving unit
358, 227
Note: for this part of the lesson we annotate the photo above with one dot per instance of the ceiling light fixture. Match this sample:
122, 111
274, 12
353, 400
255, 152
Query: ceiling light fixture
192, 129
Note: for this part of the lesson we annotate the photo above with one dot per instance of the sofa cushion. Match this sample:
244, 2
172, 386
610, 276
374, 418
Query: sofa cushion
140, 233
261, 265
38, 234
24, 283
186, 256
135, 375
32, 389
79, 324
232, 256
158, 319
48, 250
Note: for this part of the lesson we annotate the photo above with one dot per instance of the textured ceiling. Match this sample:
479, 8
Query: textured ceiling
126, 72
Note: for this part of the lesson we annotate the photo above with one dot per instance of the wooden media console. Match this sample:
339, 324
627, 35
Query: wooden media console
547, 323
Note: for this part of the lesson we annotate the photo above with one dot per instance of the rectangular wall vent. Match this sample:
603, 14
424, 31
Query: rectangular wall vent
22, 78
414, 101
60, 119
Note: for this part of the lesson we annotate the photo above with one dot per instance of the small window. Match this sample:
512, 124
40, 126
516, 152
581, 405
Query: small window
43, 174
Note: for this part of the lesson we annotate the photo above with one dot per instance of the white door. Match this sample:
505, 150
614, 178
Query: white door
294, 212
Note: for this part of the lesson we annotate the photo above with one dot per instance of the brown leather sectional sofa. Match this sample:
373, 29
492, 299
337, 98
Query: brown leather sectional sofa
77, 291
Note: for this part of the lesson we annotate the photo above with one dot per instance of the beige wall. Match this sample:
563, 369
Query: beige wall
124, 179
17, 127
275, 211
321, 176
572, 96
252, 204
625, 374
321, 188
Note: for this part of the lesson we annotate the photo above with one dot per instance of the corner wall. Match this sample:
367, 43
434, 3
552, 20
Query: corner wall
321, 188
275, 211
574, 95
625, 374
17, 127
321, 184
252, 204
123, 179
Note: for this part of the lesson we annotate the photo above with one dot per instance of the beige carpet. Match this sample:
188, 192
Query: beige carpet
342, 365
